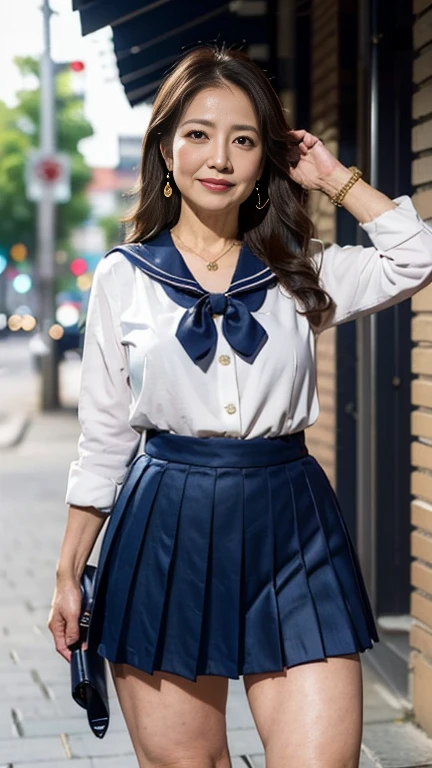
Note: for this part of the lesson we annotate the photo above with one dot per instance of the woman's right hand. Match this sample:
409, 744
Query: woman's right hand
63, 620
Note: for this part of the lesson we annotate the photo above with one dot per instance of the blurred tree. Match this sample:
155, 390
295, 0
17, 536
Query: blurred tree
114, 230
19, 132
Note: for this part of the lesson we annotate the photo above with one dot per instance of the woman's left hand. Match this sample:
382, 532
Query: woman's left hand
316, 162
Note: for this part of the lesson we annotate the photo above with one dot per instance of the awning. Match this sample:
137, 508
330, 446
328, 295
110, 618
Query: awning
150, 36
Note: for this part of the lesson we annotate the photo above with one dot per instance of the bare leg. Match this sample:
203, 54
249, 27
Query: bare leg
173, 721
310, 715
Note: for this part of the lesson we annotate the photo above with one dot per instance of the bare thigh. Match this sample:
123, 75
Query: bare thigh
173, 721
310, 715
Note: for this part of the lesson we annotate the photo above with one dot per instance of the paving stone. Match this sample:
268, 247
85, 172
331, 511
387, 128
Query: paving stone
236, 687
258, 761
7, 729
366, 762
5, 656
60, 690
244, 742
398, 745
28, 655
21, 639
18, 751
55, 763
54, 674
238, 713
15, 675
115, 762
9, 691
9, 665
112, 745
68, 725
36, 709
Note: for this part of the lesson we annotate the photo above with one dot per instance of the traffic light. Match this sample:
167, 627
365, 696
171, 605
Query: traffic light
69, 66
77, 66
76, 71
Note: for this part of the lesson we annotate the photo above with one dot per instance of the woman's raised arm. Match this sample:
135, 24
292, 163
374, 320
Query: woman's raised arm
362, 279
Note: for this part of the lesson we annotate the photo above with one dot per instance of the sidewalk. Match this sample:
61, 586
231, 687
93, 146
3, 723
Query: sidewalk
39, 722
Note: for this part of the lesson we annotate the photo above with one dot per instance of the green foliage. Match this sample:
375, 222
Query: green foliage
19, 132
114, 230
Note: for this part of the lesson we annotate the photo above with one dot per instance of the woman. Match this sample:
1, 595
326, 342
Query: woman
226, 554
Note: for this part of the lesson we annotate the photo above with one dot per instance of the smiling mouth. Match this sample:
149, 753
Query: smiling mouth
216, 185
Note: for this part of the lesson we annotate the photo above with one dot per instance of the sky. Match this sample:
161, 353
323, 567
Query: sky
106, 106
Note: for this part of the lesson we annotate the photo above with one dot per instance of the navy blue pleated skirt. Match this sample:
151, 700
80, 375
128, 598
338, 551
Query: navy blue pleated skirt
228, 557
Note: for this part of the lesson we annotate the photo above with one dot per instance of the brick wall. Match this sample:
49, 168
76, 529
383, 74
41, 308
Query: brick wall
321, 438
421, 452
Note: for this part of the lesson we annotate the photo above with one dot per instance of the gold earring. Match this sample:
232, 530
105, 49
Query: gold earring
168, 188
258, 205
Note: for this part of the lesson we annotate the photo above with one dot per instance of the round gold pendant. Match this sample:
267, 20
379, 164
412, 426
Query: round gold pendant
167, 189
212, 266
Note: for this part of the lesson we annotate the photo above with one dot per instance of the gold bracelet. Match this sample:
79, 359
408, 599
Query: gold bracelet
339, 196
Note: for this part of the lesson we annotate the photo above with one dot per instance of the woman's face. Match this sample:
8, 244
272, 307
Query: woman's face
217, 138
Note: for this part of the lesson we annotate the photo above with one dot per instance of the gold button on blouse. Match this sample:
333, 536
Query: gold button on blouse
224, 359
230, 409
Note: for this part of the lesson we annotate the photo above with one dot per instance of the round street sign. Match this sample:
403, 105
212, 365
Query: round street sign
49, 170
48, 175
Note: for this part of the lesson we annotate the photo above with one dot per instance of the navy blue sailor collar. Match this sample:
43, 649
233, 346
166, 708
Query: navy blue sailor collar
161, 260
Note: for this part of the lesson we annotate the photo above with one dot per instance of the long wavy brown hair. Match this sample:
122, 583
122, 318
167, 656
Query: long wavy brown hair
280, 233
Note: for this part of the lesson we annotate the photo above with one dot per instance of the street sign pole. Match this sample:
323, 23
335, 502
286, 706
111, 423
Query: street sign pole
46, 224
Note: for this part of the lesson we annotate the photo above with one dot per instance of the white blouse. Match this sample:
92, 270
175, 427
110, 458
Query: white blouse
136, 375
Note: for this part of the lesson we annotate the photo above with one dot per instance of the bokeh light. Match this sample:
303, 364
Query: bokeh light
3, 263
56, 331
67, 314
22, 283
3, 321
61, 257
78, 267
15, 322
19, 252
28, 323
84, 281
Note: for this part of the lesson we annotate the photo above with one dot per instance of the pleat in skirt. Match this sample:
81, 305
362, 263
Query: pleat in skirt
228, 557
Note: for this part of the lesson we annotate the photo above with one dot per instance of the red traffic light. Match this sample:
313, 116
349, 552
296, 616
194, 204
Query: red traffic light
77, 66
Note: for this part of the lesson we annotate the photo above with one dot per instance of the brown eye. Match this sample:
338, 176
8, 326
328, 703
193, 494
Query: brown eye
192, 132
251, 142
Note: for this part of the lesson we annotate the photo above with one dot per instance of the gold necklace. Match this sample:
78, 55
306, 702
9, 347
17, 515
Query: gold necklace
212, 266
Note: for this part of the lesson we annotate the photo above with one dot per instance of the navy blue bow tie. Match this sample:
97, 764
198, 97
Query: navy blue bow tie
196, 330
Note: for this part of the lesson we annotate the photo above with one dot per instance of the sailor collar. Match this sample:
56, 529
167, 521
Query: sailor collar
162, 261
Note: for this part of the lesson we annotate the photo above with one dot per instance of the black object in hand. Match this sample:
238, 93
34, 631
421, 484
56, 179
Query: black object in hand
88, 671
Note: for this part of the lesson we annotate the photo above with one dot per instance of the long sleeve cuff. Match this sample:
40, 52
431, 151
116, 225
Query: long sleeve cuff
395, 226
86, 489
